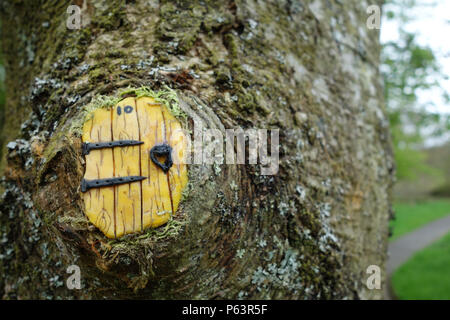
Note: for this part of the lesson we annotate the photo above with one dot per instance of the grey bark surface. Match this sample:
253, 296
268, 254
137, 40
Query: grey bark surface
307, 68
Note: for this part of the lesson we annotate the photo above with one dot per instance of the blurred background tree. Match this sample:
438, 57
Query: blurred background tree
417, 98
409, 70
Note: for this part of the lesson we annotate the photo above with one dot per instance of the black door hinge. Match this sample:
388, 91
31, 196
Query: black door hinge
87, 146
98, 183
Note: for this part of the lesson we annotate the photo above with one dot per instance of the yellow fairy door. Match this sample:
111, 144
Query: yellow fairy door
134, 170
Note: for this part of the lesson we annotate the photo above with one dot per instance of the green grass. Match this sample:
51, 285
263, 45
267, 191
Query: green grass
426, 274
410, 216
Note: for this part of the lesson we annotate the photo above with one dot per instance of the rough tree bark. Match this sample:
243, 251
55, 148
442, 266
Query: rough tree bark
308, 68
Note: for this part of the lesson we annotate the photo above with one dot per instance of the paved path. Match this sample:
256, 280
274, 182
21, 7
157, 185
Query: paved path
403, 248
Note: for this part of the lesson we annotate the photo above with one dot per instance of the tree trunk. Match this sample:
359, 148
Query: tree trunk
307, 68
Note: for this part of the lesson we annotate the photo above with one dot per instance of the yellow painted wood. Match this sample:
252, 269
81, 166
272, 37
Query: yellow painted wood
99, 203
126, 163
132, 207
178, 172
